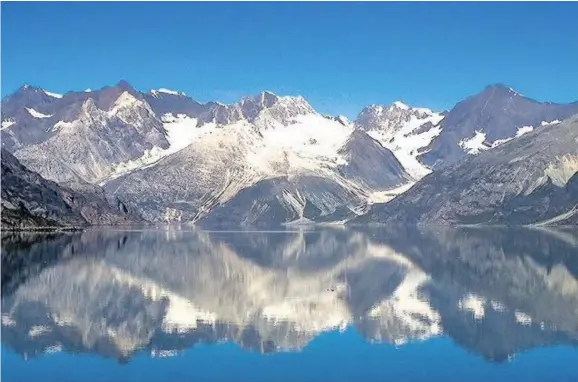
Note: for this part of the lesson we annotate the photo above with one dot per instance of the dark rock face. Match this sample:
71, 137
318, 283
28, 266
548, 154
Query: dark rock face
30, 201
163, 103
497, 111
370, 164
528, 180
273, 202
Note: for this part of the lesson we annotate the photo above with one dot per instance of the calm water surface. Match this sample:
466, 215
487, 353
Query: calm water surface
322, 305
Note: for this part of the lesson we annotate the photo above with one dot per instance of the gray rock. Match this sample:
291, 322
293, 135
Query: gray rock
498, 111
30, 201
84, 134
528, 180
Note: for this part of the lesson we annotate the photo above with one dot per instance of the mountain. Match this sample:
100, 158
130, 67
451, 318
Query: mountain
404, 130
29, 201
495, 292
81, 136
530, 180
265, 160
137, 145
487, 119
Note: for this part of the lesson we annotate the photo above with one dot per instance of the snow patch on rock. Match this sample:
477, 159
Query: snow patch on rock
37, 114
7, 123
523, 318
475, 144
53, 95
166, 91
474, 304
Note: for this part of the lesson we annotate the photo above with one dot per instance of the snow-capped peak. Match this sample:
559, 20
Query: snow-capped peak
124, 108
400, 105
53, 95
124, 100
155, 92
402, 129
343, 119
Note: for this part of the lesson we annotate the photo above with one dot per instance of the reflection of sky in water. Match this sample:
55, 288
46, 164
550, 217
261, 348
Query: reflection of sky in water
332, 356
457, 302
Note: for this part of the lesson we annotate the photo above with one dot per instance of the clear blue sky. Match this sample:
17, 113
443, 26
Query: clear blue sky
340, 56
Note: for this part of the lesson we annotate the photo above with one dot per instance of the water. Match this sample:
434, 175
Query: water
322, 305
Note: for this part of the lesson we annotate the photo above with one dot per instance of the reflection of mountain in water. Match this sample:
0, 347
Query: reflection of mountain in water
496, 292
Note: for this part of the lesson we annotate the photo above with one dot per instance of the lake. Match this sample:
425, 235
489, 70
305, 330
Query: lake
326, 304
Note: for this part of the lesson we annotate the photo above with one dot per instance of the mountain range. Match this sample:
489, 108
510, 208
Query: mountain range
161, 156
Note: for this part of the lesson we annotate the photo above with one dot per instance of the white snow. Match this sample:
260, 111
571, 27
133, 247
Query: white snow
163, 353
125, 100
181, 132
166, 91
475, 144
7, 123
388, 195
53, 349
323, 311
523, 130
406, 145
7, 320
87, 90
50, 94
310, 142
545, 123
473, 303
343, 119
400, 105
38, 330
181, 315
37, 114
523, 318
61, 125
498, 306
408, 310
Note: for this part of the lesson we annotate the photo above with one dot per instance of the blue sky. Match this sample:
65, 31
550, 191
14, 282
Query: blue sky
340, 56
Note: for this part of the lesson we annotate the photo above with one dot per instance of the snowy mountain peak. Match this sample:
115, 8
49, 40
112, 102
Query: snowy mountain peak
161, 91
402, 129
264, 99
124, 85
500, 90
400, 105
343, 119
89, 107
130, 109
125, 100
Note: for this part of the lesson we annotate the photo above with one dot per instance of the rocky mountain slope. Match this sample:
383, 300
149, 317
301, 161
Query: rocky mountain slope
405, 130
495, 292
29, 201
265, 160
326, 165
487, 119
529, 180
80, 136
